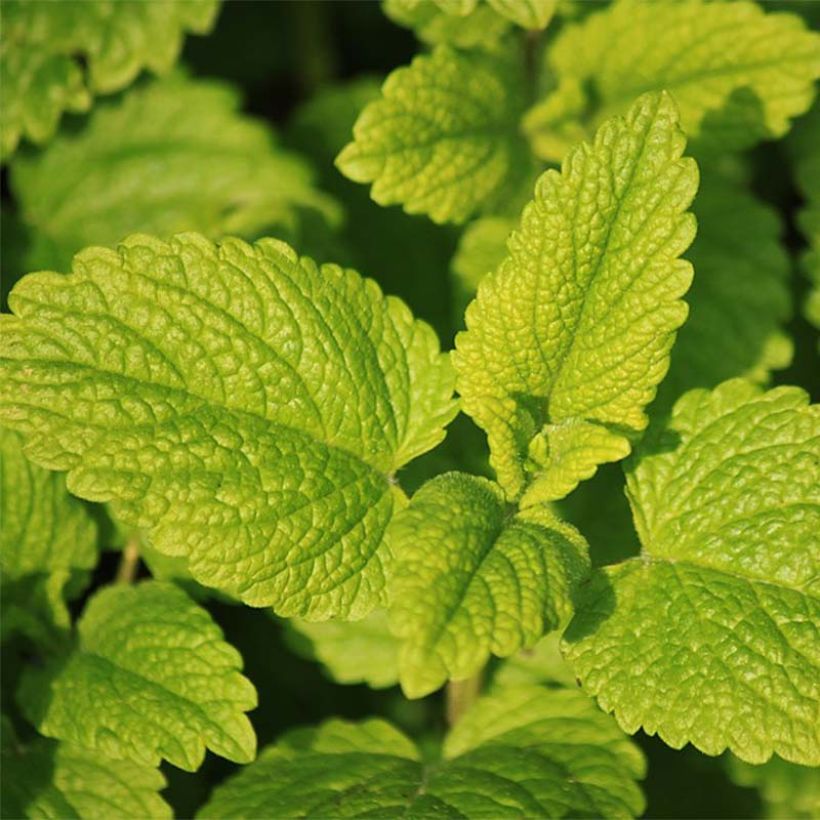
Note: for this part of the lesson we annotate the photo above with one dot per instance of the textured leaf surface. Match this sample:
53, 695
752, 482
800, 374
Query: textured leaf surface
242, 406
569, 337
174, 155
57, 780
482, 26
469, 581
47, 539
354, 651
711, 636
45, 44
553, 754
443, 139
788, 791
738, 74
740, 295
150, 678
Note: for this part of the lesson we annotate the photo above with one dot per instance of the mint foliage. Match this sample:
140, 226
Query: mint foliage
469, 580
150, 678
364, 651
439, 551
48, 543
48, 779
211, 170
291, 412
568, 339
548, 754
43, 44
738, 73
740, 300
726, 504
443, 139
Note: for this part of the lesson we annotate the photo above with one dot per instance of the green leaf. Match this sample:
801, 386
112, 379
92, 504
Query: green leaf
45, 47
481, 249
57, 780
469, 580
529, 14
740, 296
788, 791
569, 337
739, 75
354, 651
443, 138
48, 540
480, 27
553, 755
244, 407
209, 169
803, 145
710, 637
543, 664
150, 678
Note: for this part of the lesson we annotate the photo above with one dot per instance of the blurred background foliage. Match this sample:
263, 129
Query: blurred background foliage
303, 70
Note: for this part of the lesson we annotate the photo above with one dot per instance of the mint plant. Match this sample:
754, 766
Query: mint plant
582, 511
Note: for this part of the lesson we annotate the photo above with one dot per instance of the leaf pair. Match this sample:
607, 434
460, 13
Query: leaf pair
525, 752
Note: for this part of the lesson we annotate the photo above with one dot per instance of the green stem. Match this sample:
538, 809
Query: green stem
460, 695
127, 570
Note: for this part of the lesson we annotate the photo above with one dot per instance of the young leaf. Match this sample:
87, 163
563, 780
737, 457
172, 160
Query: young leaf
43, 44
47, 540
568, 339
354, 651
243, 406
150, 678
48, 779
470, 581
738, 74
553, 755
530, 14
710, 637
210, 168
740, 295
480, 27
443, 139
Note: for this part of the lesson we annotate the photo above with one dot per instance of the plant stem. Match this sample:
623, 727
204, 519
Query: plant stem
460, 695
127, 570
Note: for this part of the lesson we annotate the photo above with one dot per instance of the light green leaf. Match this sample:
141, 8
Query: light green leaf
541, 664
443, 139
56, 780
47, 540
150, 678
788, 791
480, 27
530, 14
711, 636
174, 155
738, 74
740, 297
45, 45
470, 581
553, 754
353, 651
568, 339
249, 409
